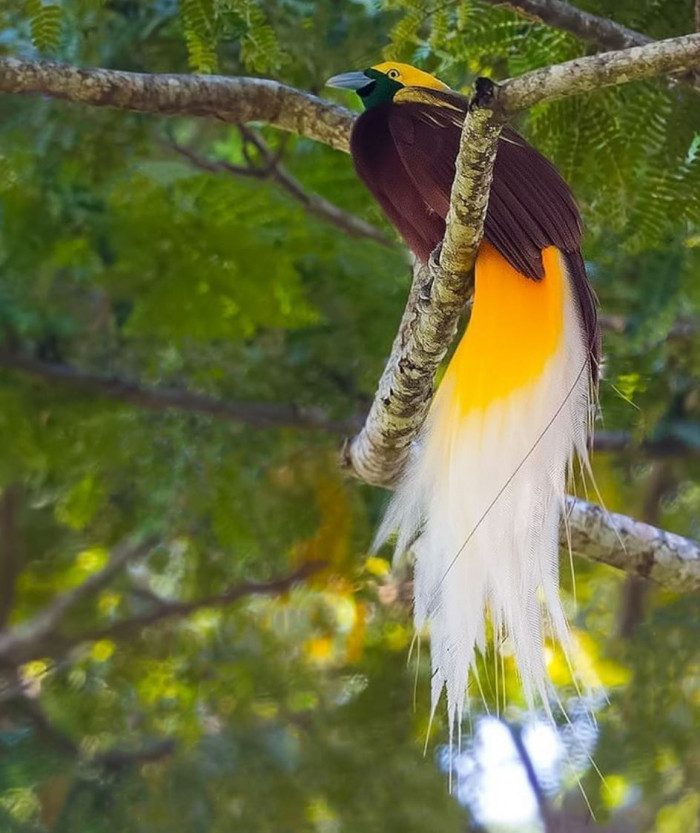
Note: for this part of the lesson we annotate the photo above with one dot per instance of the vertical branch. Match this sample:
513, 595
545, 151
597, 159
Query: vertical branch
439, 296
10, 556
472, 183
533, 780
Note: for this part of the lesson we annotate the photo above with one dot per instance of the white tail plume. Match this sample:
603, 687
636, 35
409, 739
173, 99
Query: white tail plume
481, 500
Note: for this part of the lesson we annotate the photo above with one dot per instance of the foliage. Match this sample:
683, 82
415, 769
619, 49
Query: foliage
616, 147
122, 260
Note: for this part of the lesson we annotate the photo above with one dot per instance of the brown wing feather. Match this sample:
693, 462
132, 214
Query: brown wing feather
380, 167
531, 207
405, 152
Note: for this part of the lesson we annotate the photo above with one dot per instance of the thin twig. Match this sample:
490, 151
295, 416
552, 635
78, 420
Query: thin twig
256, 414
58, 644
601, 31
314, 204
16, 644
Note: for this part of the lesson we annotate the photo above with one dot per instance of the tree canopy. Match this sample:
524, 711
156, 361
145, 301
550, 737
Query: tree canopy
193, 315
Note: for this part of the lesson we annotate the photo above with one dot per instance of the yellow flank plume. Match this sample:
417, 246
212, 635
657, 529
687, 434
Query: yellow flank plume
515, 328
410, 76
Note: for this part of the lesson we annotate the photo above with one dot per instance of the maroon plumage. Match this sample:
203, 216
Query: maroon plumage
405, 152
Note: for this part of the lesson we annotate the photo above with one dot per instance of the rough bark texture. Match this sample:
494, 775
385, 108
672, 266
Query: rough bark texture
378, 453
438, 297
440, 291
600, 31
436, 300
236, 100
584, 75
667, 559
470, 190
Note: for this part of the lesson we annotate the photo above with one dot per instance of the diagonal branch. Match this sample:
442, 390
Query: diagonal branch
57, 644
585, 75
437, 299
15, 643
426, 328
314, 204
380, 451
600, 31
634, 546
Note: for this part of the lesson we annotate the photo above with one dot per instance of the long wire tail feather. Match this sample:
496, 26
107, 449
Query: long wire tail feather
481, 501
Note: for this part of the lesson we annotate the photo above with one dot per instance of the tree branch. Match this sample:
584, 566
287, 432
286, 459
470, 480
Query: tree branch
59, 644
601, 31
16, 644
584, 75
642, 550
257, 414
379, 452
438, 297
236, 100
240, 100
266, 415
314, 204
49, 734
516, 734
122, 757
117, 758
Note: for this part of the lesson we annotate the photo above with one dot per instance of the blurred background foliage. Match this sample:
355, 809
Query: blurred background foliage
140, 254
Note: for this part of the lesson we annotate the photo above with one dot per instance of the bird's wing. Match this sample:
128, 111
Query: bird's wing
530, 206
381, 168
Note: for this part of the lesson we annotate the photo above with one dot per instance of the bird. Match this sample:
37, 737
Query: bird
480, 501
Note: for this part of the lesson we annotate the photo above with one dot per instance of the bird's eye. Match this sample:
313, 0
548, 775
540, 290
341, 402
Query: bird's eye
393, 73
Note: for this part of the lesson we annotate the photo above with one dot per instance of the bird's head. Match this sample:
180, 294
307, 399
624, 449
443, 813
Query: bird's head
380, 83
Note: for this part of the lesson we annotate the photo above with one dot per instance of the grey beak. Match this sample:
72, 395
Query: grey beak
349, 81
